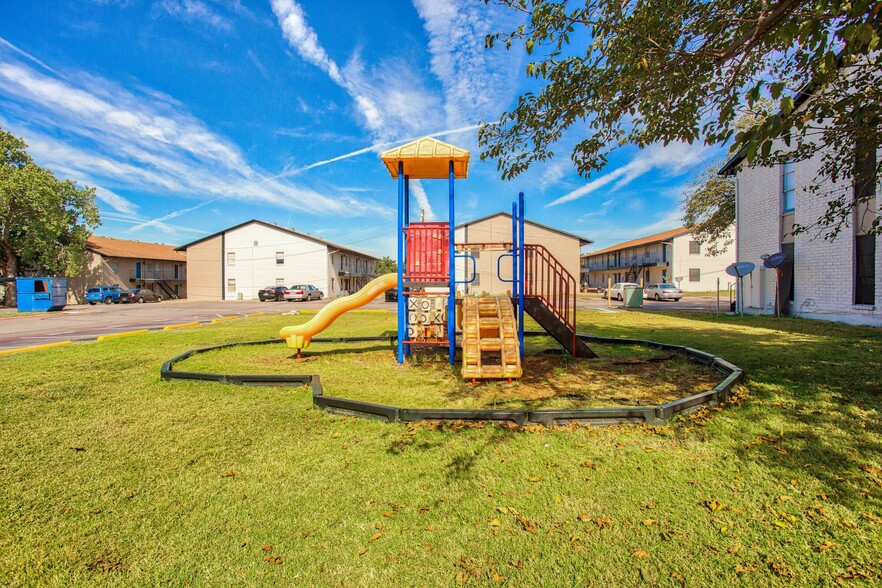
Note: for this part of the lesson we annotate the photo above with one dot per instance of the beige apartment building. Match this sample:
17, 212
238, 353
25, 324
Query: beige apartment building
131, 264
235, 263
672, 256
494, 233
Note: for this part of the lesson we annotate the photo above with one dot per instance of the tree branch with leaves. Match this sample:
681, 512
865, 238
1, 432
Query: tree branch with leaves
621, 72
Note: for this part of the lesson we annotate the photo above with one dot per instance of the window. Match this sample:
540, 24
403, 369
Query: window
280, 281
114, 265
694, 248
231, 285
280, 258
865, 212
694, 274
788, 186
231, 258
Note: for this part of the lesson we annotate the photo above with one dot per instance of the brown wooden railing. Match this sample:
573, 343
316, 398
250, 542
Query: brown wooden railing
547, 279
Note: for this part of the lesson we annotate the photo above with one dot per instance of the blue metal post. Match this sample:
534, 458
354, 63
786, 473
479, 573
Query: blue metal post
514, 249
451, 297
521, 271
402, 310
404, 258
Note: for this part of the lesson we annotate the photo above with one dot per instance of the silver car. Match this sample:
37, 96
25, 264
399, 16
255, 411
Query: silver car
618, 289
305, 292
662, 292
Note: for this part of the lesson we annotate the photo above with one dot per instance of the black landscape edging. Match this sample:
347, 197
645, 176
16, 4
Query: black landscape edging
651, 415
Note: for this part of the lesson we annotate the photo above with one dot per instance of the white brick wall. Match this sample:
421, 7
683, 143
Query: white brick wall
823, 270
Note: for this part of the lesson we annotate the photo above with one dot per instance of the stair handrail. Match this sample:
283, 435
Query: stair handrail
549, 280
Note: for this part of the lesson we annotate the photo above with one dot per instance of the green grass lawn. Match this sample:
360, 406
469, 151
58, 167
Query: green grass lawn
109, 476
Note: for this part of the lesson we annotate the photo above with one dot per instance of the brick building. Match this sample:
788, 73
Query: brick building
834, 280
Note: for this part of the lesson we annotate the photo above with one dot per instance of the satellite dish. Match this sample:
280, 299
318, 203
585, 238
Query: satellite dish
740, 269
774, 260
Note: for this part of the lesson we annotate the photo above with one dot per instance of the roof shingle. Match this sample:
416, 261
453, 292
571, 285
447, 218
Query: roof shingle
110, 247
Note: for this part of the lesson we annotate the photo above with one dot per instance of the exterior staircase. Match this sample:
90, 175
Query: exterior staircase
550, 298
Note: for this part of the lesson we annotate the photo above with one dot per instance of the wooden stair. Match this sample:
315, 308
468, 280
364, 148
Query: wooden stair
490, 347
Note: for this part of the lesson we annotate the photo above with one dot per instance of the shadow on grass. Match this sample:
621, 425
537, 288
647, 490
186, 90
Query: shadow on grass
815, 404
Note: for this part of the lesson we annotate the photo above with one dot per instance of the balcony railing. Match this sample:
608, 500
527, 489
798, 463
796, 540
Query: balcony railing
158, 275
625, 262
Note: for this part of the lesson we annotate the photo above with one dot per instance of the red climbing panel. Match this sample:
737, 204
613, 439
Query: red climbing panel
428, 252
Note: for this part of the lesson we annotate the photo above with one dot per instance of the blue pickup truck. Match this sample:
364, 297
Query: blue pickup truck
105, 294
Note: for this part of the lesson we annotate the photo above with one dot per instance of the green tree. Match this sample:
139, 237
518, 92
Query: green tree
386, 265
683, 70
44, 222
709, 209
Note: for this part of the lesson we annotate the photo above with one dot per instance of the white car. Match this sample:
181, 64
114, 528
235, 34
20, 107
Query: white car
662, 292
618, 290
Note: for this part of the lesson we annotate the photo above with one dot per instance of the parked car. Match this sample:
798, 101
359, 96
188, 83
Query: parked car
105, 294
303, 292
139, 295
618, 290
662, 292
391, 295
275, 293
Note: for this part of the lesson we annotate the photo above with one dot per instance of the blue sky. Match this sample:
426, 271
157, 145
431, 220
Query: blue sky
190, 116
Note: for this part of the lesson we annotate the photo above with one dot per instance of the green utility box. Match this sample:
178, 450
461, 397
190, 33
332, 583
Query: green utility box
633, 297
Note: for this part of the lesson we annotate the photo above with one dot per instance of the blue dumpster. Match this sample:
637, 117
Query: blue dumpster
41, 294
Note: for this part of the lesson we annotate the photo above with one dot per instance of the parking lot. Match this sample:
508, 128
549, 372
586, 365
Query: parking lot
85, 322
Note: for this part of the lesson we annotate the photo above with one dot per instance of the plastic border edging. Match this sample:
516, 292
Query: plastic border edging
651, 415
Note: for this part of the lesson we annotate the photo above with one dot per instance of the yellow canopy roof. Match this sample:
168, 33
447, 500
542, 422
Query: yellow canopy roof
427, 159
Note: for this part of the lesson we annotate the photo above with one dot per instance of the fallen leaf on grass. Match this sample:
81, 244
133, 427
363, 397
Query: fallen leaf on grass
742, 570
516, 564
266, 548
734, 549
713, 505
363, 551
375, 536
649, 522
640, 554
424, 508
872, 470
825, 546
870, 517
584, 517
535, 478
273, 559
650, 506
494, 523
780, 570
588, 464
604, 522
527, 524
229, 474
388, 515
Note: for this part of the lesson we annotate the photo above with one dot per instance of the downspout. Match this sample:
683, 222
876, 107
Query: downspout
223, 266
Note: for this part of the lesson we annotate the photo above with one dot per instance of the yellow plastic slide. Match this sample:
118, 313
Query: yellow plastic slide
298, 336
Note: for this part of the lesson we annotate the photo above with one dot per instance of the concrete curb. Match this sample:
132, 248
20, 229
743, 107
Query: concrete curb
121, 335
35, 347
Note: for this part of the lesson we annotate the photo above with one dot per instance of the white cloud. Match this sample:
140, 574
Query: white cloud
196, 11
478, 83
422, 200
139, 140
607, 235
672, 159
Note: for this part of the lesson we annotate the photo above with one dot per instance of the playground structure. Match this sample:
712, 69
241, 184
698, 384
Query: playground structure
492, 326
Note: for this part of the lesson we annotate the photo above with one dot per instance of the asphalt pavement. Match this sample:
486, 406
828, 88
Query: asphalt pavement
86, 322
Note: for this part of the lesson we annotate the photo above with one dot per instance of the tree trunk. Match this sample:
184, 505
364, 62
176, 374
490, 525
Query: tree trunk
10, 269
